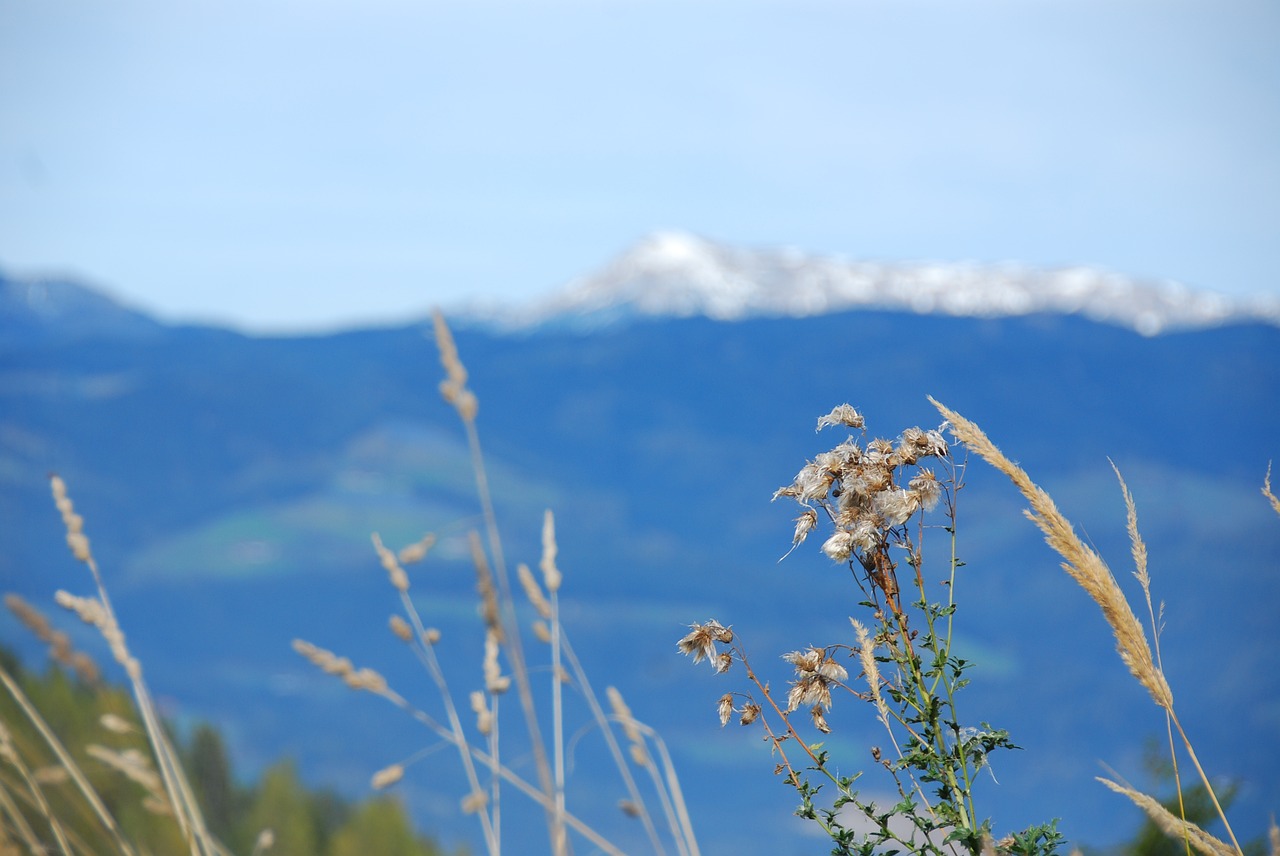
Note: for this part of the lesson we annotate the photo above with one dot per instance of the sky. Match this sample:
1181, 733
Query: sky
300, 165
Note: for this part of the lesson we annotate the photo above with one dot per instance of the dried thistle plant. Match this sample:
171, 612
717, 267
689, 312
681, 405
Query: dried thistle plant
876, 495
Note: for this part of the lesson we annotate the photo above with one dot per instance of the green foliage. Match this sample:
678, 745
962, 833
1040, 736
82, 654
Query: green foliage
209, 770
283, 807
379, 826
304, 822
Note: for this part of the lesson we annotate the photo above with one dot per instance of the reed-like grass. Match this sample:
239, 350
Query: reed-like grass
168, 790
1088, 569
482, 744
876, 497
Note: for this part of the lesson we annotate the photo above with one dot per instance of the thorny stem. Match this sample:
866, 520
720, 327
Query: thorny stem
786, 720
945, 654
557, 714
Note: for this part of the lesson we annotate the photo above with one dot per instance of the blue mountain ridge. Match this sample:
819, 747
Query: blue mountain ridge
229, 484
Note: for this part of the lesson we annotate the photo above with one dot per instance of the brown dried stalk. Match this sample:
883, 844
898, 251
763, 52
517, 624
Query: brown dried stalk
1088, 569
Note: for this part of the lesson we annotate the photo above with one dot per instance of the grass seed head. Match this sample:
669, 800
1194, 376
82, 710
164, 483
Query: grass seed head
417, 551
398, 577
387, 776
551, 575
401, 628
474, 802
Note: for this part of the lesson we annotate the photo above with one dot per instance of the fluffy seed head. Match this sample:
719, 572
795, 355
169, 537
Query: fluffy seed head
725, 708
839, 547
804, 525
927, 489
701, 639
842, 415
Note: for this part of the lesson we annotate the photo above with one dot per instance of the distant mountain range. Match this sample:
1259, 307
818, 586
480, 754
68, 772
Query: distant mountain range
678, 275
229, 485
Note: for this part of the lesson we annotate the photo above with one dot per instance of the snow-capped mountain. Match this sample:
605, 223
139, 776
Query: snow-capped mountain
675, 274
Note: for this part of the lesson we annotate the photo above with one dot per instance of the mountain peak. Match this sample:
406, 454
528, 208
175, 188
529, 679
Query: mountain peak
40, 308
675, 274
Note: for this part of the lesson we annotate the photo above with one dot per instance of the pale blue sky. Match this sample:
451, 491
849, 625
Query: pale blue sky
304, 164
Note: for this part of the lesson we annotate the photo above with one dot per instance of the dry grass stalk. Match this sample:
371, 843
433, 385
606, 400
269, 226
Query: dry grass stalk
1171, 825
9, 809
1083, 565
867, 657
534, 592
636, 800
454, 387
417, 551
130, 762
100, 613
64, 758
669, 793
1273, 837
1138, 548
629, 725
1089, 570
60, 648
10, 755
395, 573
341, 667
489, 609
453, 390
551, 575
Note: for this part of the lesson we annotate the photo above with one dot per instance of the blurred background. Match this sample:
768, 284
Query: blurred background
301, 165
672, 235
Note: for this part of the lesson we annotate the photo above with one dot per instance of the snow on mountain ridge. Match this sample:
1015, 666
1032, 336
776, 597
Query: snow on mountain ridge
676, 274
